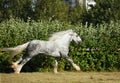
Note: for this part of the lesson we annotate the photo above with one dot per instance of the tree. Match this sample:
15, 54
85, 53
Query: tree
47, 9
15, 8
105, 11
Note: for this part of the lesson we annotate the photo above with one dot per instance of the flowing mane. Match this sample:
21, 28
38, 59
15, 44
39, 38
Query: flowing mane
57, 35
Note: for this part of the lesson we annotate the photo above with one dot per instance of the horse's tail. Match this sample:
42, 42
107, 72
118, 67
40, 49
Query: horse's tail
15, 50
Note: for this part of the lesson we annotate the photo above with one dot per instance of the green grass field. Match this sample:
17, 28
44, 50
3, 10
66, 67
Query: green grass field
61, 77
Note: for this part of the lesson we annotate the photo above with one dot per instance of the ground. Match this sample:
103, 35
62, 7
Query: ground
61, 77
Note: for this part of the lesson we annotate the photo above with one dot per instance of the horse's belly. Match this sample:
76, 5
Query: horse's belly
55, 54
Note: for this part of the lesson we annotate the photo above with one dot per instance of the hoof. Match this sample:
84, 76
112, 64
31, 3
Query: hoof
14, 65
76, 67
15, 68
55, 71
17, 72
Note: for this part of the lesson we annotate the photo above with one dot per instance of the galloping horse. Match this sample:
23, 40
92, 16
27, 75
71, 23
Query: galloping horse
56, 46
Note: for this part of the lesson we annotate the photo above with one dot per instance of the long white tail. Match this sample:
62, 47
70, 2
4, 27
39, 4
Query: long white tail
15, 50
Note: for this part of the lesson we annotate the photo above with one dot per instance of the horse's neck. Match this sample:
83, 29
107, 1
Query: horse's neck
65, 40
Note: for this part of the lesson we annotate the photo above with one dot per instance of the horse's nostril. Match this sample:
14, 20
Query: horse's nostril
79, 42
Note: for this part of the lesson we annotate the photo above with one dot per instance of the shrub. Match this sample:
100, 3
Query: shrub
98, 52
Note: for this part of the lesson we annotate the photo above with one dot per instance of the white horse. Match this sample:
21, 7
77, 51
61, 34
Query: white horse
56, 46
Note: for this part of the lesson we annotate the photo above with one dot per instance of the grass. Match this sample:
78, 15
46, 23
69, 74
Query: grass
62, 77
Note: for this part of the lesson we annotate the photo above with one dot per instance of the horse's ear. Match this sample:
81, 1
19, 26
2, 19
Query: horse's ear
71, 30
71, 33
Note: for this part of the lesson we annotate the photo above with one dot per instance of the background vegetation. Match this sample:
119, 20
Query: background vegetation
99, 28
104, 11
104, 38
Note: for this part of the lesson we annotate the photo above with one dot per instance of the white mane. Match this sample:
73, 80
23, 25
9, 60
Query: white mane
57, 35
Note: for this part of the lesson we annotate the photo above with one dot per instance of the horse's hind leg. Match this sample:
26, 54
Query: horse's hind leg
17, 66
73, 64
55, 66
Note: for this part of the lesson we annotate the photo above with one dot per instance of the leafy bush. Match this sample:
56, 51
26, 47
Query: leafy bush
98, 52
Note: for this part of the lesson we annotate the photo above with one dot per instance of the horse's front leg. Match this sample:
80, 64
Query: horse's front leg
73, 64
55, 66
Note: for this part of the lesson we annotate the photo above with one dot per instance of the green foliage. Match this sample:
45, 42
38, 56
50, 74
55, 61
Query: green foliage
105, 38
104, 11
44, 10
51, 10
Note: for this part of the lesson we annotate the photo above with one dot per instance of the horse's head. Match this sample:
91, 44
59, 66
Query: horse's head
75, 37
68, 34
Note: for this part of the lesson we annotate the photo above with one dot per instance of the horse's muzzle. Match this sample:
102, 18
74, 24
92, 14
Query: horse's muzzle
79, 42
